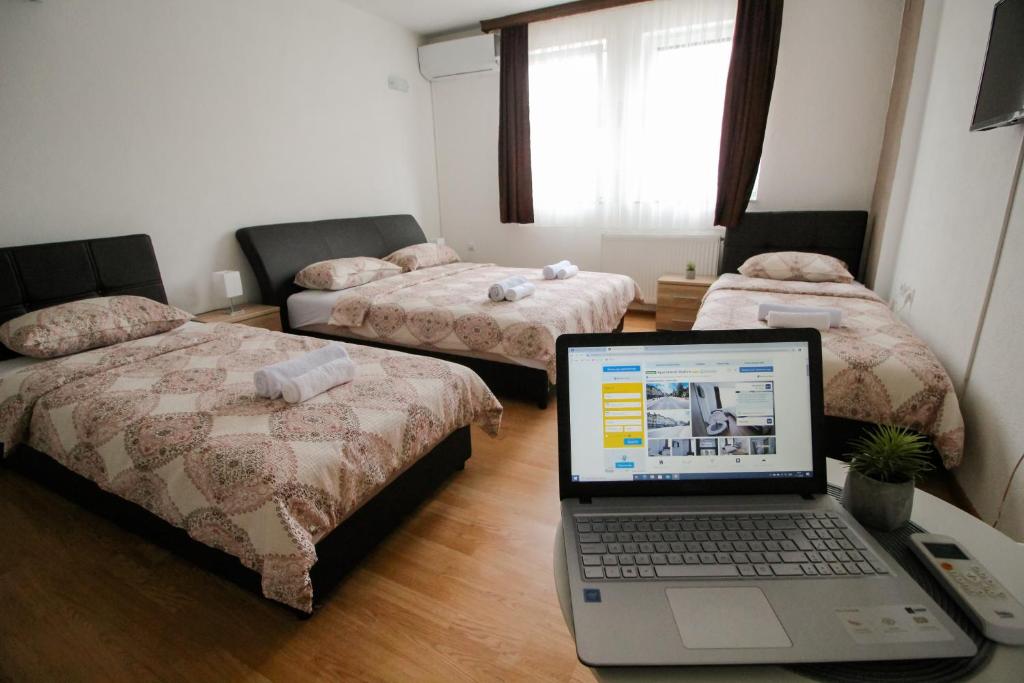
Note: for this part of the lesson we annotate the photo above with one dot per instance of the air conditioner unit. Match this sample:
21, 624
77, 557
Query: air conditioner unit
457, 57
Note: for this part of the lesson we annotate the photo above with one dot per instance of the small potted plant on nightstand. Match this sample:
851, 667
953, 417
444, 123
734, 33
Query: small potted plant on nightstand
691, 270
884, 465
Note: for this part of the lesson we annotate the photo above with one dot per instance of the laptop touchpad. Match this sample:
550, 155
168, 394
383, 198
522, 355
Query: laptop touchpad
710, 618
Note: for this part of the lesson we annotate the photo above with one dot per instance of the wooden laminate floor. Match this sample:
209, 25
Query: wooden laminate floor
463, 591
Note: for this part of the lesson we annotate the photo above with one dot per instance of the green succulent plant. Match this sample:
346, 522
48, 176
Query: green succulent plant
890, 454
690, 265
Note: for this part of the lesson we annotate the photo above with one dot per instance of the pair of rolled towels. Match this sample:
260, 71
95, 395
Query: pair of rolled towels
302, 378
518, 287
562, 270
781, 315
511, 289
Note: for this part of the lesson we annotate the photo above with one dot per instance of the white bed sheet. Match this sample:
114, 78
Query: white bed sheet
312, 307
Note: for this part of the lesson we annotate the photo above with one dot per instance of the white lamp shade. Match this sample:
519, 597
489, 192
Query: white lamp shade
228, 283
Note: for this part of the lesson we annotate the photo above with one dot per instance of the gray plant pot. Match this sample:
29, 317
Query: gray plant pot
691, 274
878, 504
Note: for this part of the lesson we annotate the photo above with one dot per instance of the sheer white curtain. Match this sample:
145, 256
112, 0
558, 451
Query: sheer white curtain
626, 115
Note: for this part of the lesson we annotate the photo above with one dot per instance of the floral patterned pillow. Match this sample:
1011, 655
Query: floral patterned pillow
796, 265
88, 324
424, 255
342, 273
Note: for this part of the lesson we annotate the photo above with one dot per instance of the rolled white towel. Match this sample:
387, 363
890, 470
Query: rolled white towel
818, 321
497, 291
520, 291
568, 272
268, 380
835, 315
318, 380
551, 272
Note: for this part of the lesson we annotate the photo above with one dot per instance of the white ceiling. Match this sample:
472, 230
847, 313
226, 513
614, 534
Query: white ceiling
429, 17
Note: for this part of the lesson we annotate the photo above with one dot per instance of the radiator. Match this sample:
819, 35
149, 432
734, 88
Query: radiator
645, 258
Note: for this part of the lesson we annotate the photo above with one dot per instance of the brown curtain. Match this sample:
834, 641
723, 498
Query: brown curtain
748, 94
515, 176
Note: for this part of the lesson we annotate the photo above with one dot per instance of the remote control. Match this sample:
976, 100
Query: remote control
990, 606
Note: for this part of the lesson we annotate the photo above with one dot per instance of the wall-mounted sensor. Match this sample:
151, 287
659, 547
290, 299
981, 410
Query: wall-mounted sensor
398, 83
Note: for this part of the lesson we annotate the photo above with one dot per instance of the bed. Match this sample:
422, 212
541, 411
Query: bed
876, 370
165, 435
442, 311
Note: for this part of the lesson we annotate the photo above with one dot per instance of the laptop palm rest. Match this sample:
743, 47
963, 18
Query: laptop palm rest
719, 618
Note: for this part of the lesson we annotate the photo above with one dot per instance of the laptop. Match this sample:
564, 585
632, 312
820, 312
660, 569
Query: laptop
696, 521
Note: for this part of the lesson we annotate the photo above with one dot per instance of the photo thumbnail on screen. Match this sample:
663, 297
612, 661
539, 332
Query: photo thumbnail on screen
733, 409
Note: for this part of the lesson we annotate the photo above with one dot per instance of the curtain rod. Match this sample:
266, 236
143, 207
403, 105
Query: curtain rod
553, 12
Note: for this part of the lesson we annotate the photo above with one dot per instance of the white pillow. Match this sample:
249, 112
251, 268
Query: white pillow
796, 265
88, 324
342, 273
423, 255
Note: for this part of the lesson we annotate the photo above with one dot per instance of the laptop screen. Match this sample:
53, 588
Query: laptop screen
695, 411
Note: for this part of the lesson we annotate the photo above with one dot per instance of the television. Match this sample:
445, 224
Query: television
1001, 93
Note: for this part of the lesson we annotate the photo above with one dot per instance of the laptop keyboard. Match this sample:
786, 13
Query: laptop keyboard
757, 546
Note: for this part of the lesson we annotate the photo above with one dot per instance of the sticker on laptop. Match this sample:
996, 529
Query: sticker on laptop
883, 624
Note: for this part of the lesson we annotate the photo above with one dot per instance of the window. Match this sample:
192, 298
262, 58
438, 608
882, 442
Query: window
568, 147
626, 114
677, 154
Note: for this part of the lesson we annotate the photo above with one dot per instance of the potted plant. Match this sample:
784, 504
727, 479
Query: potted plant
691, 270
884, 465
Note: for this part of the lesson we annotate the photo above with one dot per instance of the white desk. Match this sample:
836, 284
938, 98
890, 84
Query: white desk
1003, 557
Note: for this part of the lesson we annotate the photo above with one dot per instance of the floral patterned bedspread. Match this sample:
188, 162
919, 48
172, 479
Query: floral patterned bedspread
446, 308
171, 422
875, 368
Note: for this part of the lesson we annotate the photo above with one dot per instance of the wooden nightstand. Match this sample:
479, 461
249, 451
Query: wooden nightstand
254, 315
679, 299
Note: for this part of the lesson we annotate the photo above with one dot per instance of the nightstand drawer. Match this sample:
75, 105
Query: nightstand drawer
680, 298
679, 311
674, 319
674, 295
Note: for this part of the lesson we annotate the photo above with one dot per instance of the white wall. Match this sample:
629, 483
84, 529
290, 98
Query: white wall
831, 95
961, 184
993, 402
896, 170
189, 119
949, 249
821, 149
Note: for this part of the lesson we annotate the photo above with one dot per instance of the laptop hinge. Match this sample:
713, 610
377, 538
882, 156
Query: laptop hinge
585, 499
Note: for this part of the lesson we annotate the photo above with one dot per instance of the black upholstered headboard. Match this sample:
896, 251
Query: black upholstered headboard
40, 275
278, 252
835, 233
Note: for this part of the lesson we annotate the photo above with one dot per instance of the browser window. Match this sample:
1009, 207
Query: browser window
640, 413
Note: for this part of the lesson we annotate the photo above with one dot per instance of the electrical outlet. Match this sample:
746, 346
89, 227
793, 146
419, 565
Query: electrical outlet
398, 83
904, 299
439, 241
471, 247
